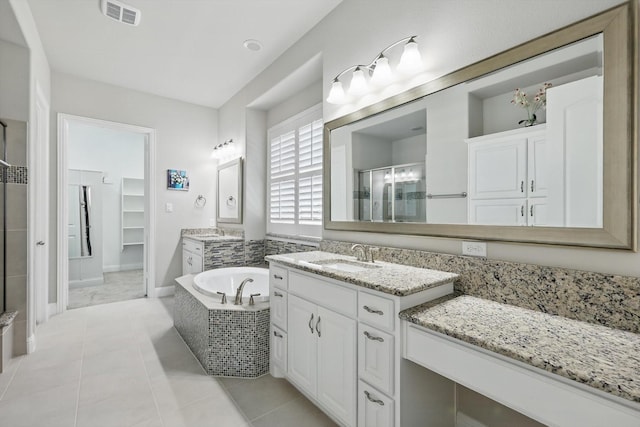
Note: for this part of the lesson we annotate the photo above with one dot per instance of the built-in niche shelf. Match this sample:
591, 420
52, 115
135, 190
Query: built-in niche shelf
132, 230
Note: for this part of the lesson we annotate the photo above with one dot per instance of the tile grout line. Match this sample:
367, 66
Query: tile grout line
276, 408
19, 362
153, 395
226, 390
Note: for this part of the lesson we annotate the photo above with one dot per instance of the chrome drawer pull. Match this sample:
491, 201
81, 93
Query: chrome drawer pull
278, 294
276, 334
318, 327
371, 399
275, 276
373, 311
372, 338
310, 321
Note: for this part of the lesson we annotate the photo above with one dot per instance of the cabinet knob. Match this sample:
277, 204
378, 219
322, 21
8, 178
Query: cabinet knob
275, 276
40, 243
278, 294
276, 334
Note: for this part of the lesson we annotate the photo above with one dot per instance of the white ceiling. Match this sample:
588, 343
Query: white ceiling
189, 50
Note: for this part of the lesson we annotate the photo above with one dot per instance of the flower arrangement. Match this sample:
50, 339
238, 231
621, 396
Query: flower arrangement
177, 179
532, 106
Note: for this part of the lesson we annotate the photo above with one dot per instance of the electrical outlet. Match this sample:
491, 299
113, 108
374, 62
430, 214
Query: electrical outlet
474, 249
212, 222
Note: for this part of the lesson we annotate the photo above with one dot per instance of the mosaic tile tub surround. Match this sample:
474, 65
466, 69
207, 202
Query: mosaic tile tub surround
227, 340
604, 299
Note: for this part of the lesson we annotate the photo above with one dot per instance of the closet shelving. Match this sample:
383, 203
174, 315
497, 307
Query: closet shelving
132, 232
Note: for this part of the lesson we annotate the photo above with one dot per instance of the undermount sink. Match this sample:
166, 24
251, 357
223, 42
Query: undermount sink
345, 265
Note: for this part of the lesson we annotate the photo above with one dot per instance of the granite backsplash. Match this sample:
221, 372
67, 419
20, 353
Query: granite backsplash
603, 299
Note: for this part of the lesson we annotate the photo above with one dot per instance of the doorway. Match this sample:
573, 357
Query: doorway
105, 212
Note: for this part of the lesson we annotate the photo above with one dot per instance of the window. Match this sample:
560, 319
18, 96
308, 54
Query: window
295, 175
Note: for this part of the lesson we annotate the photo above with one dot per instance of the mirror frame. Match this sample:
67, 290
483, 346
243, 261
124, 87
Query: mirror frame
231, 165
618, 26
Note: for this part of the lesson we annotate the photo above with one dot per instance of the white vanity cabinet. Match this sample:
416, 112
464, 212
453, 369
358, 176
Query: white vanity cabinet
192, 256
508, 177
343, 347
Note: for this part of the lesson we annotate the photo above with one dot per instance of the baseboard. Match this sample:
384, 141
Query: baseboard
165, 291
121, 267
87, 282
31, 344
52, 309
463, 420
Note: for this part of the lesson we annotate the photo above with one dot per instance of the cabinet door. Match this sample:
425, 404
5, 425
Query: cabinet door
337, 364
374, 408
498, 169
191, 263
302, 344
537, 166
279, 348
375, 357
537, 212
278, 299
498, 212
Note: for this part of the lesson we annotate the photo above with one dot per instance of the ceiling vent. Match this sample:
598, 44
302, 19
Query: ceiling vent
120, 12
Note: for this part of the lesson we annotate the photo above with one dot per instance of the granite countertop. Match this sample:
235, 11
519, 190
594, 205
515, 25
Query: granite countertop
394, 279
601, 357
212, 238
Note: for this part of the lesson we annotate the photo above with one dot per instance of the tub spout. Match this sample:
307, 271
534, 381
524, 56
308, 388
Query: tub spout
238, 300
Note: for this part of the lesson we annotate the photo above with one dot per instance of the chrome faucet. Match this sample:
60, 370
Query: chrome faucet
238, 300
360, 251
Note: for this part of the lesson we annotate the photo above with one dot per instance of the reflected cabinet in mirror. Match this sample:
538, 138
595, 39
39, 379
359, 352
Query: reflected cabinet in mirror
536, 144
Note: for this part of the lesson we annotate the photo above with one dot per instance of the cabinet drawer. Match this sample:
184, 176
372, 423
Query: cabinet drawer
192, 246
376, 357
376, 311
278, 277
374, 408
278, 299
333, 297
279, 348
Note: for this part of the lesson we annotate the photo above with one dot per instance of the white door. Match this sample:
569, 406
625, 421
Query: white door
279, 348
39, 207
498, 212
302, 344
337, 364
374, 408
498, 169
537, 166
575, 135
537, 212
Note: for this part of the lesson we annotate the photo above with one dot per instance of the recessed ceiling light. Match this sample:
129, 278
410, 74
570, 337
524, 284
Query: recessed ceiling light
253, 45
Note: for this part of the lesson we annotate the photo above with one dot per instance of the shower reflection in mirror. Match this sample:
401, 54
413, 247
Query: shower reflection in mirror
80, 221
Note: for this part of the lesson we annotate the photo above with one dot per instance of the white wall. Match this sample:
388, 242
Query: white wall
186, 134
409, 150
453, 34
116, 154
14, 84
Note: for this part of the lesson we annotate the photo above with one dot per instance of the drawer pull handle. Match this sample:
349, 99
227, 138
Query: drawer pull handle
373, 338
310, 321
275, 276
276, 334
372, 310
278, 294
371, 399
318, 327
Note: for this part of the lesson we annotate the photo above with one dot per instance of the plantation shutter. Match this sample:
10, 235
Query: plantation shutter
295, 175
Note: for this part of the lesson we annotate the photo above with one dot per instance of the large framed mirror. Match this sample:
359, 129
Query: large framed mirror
457, 157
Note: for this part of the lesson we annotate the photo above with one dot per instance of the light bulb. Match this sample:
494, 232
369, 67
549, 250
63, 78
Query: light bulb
382, 72
411, 61
358, 83
336, 94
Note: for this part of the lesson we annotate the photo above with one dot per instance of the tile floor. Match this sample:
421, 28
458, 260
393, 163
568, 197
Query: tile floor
123, 364
117, 286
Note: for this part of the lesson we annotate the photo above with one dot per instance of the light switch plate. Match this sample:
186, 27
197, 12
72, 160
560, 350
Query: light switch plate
168, 207
474, 249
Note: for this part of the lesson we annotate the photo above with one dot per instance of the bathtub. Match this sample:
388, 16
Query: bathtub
228, 280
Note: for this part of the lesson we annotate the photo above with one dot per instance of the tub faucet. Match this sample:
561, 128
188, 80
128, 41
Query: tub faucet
360, 251
238, 300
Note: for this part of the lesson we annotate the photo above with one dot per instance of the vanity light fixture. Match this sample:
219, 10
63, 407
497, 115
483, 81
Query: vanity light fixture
222, 147
379, 72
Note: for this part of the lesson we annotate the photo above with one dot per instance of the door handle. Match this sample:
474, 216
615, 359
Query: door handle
532, 186
522, 186
373, 311
373, 338
278, 294
40, 243
276, 334
531, 210
310, 321
522, 210
371, 399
